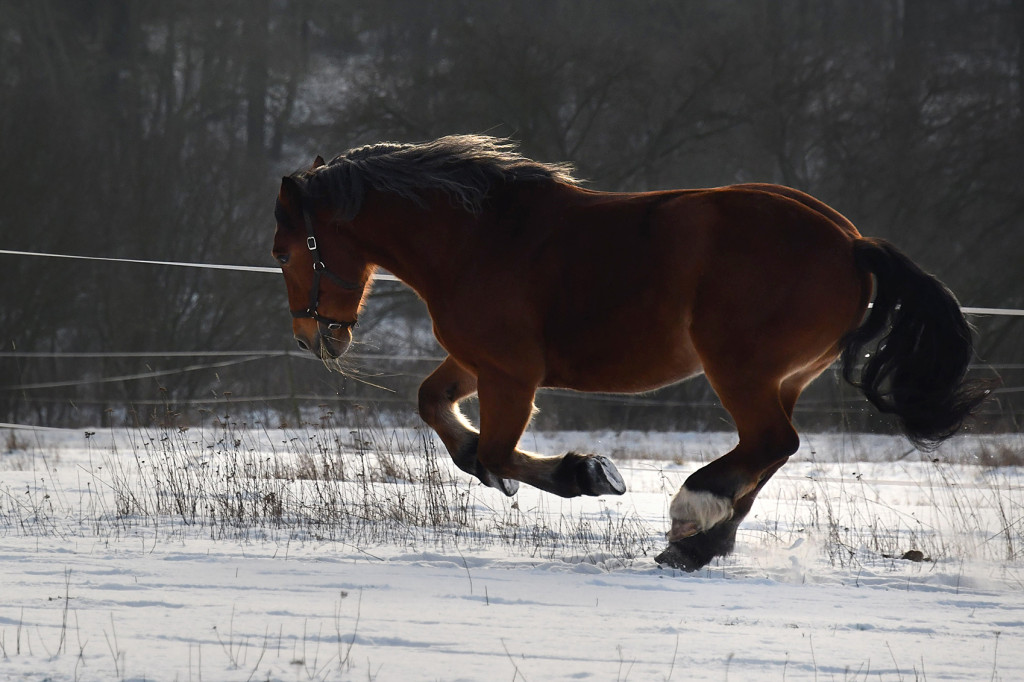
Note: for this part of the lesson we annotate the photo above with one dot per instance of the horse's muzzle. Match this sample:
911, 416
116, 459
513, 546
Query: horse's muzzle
325, 345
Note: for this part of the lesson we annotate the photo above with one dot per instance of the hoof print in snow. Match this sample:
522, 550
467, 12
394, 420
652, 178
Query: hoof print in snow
914, 555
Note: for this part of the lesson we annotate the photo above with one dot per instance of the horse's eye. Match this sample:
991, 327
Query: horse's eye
281, 258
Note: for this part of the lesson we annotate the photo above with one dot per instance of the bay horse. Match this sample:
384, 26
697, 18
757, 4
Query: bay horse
532, 281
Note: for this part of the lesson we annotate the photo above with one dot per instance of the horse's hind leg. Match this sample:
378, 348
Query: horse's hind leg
696, 550
767, 438
439, 397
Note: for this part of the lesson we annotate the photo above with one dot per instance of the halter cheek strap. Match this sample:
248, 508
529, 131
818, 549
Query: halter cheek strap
319, 270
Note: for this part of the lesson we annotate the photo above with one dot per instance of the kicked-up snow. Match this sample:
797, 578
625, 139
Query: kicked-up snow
231, 553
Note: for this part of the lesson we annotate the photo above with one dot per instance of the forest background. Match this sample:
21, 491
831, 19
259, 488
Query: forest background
160, 131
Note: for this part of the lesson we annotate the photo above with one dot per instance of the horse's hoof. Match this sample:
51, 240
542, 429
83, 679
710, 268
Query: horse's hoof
596, 475
696, 551
674, 557
683, 558
703, 527
509, 486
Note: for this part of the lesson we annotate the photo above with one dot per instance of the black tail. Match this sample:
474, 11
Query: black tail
918, 371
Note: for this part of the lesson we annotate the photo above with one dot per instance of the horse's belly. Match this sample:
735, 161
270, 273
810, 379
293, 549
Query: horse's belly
626, 365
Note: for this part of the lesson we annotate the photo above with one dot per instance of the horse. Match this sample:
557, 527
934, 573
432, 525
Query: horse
533, 281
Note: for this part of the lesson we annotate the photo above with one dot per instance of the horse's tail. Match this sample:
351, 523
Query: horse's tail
918, 370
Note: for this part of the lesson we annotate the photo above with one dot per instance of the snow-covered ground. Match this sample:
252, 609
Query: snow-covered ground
228, 553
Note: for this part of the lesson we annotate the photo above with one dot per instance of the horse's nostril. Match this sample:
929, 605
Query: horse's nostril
302, 344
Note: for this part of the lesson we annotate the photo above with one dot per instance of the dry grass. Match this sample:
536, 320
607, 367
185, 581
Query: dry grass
363, 487
371, 486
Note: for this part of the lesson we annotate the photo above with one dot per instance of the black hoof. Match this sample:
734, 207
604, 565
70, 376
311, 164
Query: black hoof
695, 552
591, 475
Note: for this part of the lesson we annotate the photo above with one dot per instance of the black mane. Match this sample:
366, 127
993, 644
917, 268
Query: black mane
465, 167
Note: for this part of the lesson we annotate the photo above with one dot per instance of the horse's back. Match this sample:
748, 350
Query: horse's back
753, 245
636, 283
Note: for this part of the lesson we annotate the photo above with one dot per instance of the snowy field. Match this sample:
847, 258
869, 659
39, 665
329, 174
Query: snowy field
231, 553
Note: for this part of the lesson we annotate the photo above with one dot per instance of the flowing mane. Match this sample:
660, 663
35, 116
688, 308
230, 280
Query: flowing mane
465, 167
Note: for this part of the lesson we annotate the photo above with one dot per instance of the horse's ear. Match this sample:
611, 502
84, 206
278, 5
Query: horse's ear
291, 192
317, 162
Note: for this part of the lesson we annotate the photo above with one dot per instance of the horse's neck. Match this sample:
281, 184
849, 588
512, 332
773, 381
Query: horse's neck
429, 248
422, 247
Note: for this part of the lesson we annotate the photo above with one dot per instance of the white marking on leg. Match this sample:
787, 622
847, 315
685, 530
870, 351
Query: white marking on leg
694, 511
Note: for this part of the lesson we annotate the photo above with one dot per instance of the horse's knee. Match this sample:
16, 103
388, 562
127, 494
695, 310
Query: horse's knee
436, 401
438, 396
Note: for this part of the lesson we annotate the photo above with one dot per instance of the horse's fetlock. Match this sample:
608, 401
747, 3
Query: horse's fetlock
465, 455
695, 511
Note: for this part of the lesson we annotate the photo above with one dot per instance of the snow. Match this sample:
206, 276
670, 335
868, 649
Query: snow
103, 576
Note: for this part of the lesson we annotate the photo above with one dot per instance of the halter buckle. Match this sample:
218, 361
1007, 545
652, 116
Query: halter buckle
311, 243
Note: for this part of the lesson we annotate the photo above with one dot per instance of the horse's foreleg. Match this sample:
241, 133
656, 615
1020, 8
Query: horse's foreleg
439, 397
506, 407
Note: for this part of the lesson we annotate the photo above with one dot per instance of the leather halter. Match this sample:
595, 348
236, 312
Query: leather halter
319, 269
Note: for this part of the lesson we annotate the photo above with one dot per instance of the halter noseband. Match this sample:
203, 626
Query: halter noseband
319, 269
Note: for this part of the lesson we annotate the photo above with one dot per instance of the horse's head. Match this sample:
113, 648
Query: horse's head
324, 272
